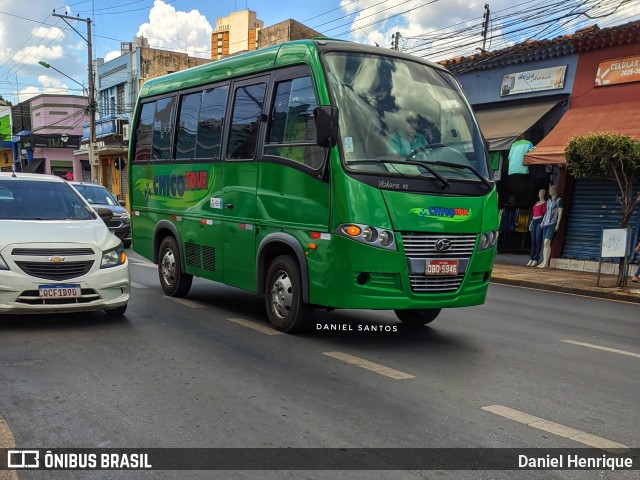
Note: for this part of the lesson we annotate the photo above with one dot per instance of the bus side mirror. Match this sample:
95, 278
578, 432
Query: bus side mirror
326, 125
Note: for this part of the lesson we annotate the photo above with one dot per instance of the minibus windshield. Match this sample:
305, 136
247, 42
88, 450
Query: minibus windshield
393, 109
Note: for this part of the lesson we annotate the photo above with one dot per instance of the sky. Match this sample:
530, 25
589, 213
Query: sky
434, 29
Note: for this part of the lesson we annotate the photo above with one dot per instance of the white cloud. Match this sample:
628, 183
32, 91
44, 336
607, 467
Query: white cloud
111, 55
48, 33
187, 32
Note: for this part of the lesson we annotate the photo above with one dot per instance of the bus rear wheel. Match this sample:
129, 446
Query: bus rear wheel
174, 282
416, 318
283, 296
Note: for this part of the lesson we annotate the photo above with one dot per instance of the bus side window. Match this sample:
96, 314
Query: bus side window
200, 124
292, 122
245, 123
144, 134
162, 129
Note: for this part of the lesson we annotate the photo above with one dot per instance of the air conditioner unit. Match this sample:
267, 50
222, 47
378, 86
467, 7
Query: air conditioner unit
120, 124
126, 132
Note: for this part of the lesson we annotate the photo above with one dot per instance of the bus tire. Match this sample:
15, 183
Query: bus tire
174, 282
283, 296
416, 318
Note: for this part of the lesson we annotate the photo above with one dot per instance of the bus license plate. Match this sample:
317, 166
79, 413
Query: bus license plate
59, 291
442, 267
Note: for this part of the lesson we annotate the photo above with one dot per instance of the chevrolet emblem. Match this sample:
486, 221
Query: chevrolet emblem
56, 259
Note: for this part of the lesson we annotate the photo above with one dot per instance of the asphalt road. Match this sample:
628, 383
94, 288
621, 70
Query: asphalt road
208, 372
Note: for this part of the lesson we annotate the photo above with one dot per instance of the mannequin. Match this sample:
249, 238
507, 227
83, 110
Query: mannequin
550, 223
535, 227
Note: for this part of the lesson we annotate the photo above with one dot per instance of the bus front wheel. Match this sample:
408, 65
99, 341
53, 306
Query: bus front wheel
417, 318
173, 280
283, 296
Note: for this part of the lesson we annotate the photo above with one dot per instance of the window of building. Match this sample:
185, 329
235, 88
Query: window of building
120, 93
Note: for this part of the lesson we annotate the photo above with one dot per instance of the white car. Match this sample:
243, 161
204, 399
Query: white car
56, 254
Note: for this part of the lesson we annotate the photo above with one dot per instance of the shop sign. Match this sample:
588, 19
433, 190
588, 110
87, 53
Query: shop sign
620, 70
56, 141
533, 80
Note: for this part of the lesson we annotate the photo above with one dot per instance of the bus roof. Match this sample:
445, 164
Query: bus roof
281, 55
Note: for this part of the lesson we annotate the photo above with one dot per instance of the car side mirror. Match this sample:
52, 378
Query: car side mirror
326, 125
105, 214
122, 203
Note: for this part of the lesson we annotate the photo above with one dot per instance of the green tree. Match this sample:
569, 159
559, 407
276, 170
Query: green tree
612, 156
4, 102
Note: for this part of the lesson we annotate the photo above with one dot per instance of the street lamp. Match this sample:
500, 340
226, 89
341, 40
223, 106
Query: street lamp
46, 65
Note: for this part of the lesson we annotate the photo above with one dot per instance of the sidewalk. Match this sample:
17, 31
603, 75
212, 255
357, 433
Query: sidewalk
510, 270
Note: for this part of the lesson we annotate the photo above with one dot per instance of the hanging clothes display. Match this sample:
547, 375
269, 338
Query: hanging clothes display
516, 156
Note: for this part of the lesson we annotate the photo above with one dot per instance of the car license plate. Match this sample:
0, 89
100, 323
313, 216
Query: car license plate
59, 291
442, 267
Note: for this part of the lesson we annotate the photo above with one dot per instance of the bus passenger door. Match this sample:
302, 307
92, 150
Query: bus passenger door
240, 180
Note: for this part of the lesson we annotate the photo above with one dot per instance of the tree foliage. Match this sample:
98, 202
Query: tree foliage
2, 100
612, 156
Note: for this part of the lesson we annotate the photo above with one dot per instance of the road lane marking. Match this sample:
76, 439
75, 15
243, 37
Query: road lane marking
138, 285
185, 302
255, 326
7, 441
141, 263
374, 367
555, 428
606, 349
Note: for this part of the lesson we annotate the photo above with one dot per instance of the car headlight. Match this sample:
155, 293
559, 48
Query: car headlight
374, 236
126, 218
113, 258
487, 240
3, 264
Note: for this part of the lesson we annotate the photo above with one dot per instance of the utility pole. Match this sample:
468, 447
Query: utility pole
396, 40
93, 152
485, 26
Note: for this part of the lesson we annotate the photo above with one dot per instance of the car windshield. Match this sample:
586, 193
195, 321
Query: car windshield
96, 195
393, 110
39, 200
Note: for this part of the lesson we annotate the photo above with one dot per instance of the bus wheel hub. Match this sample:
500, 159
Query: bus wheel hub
281, 295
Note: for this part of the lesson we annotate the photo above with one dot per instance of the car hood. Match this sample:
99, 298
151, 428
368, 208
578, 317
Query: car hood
92, 232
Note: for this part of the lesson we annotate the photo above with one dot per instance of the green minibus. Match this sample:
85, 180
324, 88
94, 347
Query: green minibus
317, 174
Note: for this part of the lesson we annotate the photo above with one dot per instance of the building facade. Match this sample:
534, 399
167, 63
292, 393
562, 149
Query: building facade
546, 92
235, 33
284, 32
6, 145
46, 130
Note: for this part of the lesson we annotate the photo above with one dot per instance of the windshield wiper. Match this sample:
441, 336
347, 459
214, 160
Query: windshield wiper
464, 167
444, 181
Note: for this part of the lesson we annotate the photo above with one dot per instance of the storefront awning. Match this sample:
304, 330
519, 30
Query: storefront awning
502, 126
33, 165
621, 118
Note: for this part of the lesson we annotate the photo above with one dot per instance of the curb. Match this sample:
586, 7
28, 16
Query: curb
607, 294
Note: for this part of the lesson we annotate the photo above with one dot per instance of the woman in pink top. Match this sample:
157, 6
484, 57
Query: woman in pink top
535, 227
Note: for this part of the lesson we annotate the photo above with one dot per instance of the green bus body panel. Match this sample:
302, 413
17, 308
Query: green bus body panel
334, 283
292, 200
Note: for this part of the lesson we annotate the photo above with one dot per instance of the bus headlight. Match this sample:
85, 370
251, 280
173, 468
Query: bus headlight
374, 236
487, 240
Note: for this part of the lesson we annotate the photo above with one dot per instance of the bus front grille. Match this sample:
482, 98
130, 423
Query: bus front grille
420, 247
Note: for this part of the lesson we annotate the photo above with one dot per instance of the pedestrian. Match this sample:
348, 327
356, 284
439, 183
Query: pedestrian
636, 277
